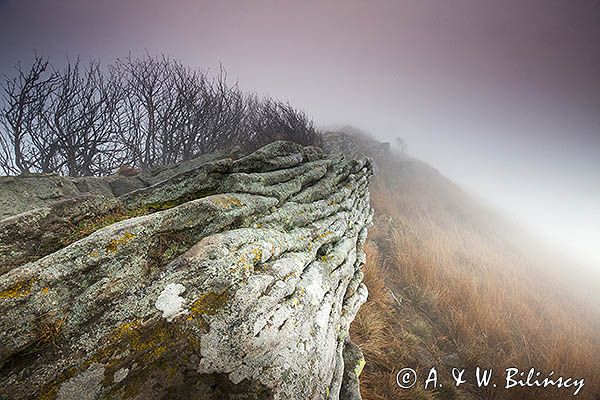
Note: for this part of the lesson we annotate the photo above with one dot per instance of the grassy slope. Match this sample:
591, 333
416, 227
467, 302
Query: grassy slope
448, 288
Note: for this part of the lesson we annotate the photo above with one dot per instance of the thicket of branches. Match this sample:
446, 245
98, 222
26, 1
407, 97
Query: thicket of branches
143, 112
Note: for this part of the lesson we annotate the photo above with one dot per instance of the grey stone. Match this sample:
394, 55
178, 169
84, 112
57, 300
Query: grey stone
26, 192
354, 362
231, 279
82, 386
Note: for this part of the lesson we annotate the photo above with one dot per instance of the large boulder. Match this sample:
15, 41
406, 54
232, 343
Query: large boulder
26, 192
232, 279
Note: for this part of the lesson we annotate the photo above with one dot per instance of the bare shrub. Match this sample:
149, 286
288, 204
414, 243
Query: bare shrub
143, 112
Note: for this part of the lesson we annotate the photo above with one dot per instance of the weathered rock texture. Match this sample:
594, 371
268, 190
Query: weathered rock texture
27, 192
231, 279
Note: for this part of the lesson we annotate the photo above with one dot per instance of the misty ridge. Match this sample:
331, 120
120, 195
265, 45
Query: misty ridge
301, 200
85, 119
450, 284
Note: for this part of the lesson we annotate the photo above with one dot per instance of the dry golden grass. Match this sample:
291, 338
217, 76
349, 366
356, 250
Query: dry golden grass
446, 289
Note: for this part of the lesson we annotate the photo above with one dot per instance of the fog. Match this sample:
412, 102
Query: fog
501, 97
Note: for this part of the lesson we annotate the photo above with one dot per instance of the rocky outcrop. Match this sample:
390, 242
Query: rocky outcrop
26, 192
229, 279
355, 144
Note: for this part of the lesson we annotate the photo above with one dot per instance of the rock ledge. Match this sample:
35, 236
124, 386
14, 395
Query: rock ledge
234, 279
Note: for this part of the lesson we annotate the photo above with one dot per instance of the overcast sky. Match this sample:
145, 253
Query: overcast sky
503, 96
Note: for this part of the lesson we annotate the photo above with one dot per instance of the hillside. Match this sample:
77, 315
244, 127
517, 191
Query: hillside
450, 286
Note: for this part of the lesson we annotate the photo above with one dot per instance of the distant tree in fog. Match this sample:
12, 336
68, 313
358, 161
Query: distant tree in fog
143, 112
401, 144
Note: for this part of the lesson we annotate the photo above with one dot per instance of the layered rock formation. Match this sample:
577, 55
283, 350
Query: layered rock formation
29, 191
230, 279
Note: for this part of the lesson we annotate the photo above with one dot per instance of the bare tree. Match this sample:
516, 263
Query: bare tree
268, 120
23, 99
144, 112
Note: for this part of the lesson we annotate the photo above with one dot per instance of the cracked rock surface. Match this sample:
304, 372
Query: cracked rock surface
235, 279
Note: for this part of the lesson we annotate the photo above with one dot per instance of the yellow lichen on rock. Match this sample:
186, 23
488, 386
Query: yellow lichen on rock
126, 328
324, 234
257, 254
133, 334
208, 304
17, 290
114, 244
244, 263
226, 201
360, 365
